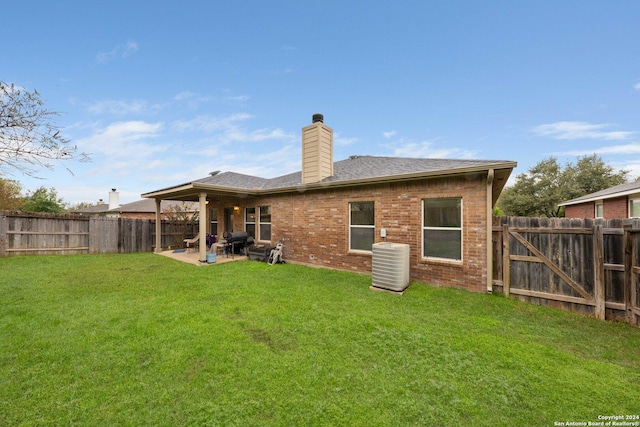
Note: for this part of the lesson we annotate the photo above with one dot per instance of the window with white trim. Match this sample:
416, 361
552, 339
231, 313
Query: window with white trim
250, 221
634, 208
264, 223
599, 209
361, 226
442, 228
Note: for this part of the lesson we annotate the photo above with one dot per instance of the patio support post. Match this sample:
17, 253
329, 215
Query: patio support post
158, 226
489, 241
203, 227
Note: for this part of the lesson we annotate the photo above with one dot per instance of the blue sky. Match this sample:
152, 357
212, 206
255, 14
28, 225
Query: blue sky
161, 93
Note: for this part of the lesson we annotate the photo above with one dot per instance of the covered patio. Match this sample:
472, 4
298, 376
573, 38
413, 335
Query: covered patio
219, 207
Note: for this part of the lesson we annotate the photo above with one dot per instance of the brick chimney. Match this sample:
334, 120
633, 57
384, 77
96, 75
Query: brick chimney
114, 199
317, 151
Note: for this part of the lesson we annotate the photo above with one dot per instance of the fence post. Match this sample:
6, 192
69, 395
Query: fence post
4, 241
93, 235
598, 268
628, 275
506, 266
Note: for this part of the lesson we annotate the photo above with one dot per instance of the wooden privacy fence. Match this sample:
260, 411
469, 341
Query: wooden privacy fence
44, 234
583, 265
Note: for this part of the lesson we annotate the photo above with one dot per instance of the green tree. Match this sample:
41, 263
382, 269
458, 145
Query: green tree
538, 192
591, 174
29, 138
10, 195
44, 200
80, 205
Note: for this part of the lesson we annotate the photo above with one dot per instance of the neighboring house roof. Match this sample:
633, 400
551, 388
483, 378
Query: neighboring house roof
356, 170
149, 206
609, 193
141, 206
95, 209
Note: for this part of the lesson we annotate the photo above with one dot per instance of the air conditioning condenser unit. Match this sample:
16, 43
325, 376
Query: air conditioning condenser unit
390, 266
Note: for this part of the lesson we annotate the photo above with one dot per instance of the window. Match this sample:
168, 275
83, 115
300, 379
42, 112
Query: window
250, 221
265, 223
442, 228
361, 226
634, 208
213, 224
599, 209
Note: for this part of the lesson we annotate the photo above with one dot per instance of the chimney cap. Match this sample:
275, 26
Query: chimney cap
113, 189
317, 118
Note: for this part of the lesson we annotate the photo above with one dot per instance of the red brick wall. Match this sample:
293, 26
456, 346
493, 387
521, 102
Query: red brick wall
316, 226
616, 208
583, 210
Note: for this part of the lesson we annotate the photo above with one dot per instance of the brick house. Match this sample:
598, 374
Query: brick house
331, 213
620, 201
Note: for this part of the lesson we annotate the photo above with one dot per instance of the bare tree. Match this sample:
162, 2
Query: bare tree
29, 138
182, 222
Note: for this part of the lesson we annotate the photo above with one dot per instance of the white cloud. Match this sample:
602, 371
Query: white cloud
427, 149
580, 130
231, 129
184, 95
130, 47
124, 140
121, 51
636, 86
120, 108
338, 139
208, 123
258, 135
238, 98
633, 167
389, 134
626, 149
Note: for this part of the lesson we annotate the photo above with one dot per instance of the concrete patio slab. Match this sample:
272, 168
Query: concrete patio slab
194, 258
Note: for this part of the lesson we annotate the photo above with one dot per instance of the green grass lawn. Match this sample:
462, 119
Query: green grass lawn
145, 340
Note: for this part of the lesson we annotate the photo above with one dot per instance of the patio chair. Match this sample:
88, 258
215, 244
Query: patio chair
192, 243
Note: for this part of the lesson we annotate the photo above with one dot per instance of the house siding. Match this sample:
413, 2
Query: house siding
612, 209
315, 225
616, 208
583, 210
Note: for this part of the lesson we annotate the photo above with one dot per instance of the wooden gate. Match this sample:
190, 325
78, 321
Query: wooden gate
586, 266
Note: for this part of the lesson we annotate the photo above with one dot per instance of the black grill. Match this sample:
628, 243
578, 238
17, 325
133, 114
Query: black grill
237, 241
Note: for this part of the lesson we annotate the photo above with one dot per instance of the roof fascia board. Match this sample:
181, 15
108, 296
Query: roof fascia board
170, 190
605, 197
197, 187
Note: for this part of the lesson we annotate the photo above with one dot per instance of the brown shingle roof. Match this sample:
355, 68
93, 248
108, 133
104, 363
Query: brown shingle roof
351, 169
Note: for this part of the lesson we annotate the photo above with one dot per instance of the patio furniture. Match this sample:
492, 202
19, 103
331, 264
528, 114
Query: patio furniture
192, 243
218, 247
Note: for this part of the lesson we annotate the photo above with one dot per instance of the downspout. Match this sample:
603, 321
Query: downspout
490, 177
203, 227
158, 226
